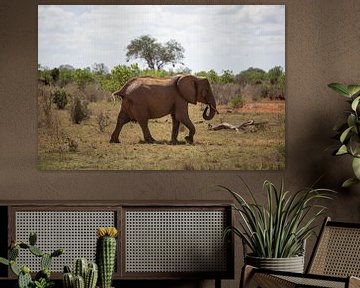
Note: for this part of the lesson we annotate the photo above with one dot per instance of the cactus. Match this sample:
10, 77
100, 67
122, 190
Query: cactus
24, 279
36, 251
91, 276
105, 254
23, 273
68, 280
32, 238
80, 267
45, 261
89, 272
79, 282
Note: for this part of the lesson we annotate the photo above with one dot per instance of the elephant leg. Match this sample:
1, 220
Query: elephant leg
188, 124
146, 132
175, 130
123, 118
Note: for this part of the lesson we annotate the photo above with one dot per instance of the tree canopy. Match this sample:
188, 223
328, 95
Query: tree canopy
156, 55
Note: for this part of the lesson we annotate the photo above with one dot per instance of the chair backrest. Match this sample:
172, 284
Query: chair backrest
337, 251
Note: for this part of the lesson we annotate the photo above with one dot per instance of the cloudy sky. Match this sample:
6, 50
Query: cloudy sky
214, 37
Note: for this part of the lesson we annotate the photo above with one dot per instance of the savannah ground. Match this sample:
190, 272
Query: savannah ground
64, 145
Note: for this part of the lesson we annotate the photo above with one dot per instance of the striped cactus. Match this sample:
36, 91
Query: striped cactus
68, 280
79, 282
81, 265
106, 254
91, 276
84, 276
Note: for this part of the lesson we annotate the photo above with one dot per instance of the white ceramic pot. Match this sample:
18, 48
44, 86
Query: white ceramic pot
291, 264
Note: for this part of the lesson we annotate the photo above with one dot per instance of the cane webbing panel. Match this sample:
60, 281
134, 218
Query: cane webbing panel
313, 282
74, 231
175, 241
338, 252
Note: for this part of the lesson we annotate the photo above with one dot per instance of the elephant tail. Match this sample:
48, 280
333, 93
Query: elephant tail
124, 90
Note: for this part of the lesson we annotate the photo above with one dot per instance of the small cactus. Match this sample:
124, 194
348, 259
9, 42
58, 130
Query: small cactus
80, 268
45, 261
90, 272
32, 239
68, 280
79, 282
36, 251
24, 277
106, 254
91, 276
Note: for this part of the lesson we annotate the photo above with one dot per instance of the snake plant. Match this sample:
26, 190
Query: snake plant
279, 228
349, 132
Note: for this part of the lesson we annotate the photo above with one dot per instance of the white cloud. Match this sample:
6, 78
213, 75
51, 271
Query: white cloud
218, 37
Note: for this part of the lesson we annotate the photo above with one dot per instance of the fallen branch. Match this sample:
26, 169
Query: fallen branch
244, 126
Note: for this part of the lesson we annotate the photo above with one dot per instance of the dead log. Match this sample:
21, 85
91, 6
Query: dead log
244, 126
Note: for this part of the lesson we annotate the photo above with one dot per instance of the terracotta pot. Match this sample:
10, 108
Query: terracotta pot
291, 264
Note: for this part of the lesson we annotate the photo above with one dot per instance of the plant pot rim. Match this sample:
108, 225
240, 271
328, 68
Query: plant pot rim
260, 257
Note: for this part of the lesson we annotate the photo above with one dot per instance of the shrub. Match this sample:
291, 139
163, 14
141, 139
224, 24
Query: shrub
79, 110
225, 92
59, 97
237, 102
103, 121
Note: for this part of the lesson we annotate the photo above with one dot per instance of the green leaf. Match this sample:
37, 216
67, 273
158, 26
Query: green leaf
345, 134
342, 150
355, 103
4, 261
351, 120
349, 182
356, 167
353, 89
340, 88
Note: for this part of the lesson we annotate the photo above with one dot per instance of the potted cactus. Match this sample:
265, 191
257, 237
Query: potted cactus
42, 278
84, 275
106, 254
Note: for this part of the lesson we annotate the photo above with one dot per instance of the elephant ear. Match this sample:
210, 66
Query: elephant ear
187, 88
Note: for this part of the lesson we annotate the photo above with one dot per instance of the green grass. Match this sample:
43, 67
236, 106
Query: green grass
263, 149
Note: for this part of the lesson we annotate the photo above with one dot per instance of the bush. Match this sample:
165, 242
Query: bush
225, 92
59, 97
237, 102
79, 110
45, 116
103, 121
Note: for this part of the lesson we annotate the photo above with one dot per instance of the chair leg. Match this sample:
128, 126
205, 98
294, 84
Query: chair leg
246, 273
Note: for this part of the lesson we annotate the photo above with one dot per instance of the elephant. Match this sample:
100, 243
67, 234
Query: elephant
145, 98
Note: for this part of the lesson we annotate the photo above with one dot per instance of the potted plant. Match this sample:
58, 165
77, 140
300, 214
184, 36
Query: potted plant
276, 233
349, 132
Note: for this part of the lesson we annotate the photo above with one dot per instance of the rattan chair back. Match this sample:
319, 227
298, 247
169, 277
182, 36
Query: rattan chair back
337, 252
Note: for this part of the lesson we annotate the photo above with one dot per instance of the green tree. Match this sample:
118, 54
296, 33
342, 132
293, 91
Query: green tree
66, 74
227, 77
155, 54
82, 77
251, 76
120, 74
274, 74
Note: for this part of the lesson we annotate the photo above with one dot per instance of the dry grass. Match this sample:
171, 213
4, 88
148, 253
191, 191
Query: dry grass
213, 150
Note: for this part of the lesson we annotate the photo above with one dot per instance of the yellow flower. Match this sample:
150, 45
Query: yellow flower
106, 231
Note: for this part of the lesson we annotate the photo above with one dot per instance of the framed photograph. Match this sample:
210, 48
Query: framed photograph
161, 87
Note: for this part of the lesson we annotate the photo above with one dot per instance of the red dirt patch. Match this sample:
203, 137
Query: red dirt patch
260, 107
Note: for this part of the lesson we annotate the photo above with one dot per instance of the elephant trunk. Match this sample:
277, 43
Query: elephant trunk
212, 104
210, 101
